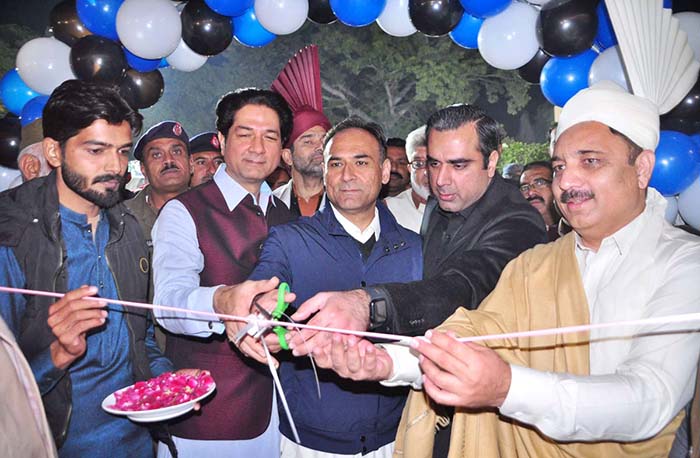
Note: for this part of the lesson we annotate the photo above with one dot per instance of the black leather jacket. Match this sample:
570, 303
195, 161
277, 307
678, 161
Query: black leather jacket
30, 225
501, 225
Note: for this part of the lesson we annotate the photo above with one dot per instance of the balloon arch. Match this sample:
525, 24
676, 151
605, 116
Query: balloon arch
562, 45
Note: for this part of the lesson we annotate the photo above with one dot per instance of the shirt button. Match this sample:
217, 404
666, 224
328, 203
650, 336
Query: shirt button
363, 283
386, 249
363, 438
259, 213
396, 246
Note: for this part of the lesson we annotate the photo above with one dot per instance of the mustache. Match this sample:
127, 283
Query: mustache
108, 177
397, 175
530, 199
576, 194
169, 166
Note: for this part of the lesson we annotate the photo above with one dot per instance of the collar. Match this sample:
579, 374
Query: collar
77, 218
622, 240
353, 231
234, 193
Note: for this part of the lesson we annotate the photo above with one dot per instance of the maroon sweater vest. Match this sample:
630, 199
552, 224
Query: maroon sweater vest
230, 241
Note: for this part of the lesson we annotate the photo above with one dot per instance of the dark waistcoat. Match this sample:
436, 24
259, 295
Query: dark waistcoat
230, 242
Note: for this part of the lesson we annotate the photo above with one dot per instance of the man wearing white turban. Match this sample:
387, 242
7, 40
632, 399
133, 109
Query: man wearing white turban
614, 392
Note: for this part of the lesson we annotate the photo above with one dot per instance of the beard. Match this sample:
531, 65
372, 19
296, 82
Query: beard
307, 167
422, 191
79, 185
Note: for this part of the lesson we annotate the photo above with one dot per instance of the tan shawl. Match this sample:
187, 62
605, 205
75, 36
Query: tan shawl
540, 289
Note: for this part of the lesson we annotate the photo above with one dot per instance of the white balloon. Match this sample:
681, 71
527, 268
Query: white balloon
395, 19
44, 63
608, 66
281, 17
689, 204
184, 59
671, 209
7, 176
151, 29
508, 40
690, 24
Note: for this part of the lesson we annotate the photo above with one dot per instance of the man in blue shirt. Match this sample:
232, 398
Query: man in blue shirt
60, 233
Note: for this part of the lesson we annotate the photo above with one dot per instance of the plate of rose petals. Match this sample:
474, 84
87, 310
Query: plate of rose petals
167, 396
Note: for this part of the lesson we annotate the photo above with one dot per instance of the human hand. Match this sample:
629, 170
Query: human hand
461, 374
193, 373
344, 310
69, 319
354, 358
236, 300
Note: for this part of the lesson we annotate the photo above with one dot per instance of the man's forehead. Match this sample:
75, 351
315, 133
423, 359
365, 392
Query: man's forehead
536, 171
314, 131
256, 117
164, 142
206, 154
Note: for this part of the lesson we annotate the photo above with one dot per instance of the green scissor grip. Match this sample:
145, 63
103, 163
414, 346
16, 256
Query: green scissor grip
278, 312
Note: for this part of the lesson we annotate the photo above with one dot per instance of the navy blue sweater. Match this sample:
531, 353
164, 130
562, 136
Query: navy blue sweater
315, 254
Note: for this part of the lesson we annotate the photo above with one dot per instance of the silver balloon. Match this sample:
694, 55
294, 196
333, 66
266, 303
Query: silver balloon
150, 29
44, 63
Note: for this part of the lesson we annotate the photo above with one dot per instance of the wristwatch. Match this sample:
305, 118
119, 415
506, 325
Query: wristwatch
378, 312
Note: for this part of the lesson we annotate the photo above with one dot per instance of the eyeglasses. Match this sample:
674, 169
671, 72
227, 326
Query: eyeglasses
417, 165
537, 183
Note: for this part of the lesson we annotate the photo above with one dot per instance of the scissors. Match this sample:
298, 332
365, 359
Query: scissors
255, 330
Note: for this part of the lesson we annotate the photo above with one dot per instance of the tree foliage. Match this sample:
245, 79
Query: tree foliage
522, 153
397, 82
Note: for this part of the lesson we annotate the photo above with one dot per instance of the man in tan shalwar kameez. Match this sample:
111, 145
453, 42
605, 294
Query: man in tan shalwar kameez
615, 392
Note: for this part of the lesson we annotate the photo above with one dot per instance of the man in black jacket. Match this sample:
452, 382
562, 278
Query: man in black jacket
475, 225
66, 230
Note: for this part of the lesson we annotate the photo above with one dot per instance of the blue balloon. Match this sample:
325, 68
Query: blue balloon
249, 32
14, 92
677, 163
467, 31
163, 63
696, 139
357, 13
605, 37
563, 77
139, 63
668, 4
484, 8
33, 109
99, 16
229, 7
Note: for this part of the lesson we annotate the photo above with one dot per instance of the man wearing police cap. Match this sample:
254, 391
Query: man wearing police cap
163, 151
205, 157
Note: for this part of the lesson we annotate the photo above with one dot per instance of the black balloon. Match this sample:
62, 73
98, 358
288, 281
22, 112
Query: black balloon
10, 136
141, 90
687, 113
65, 24
320, 12
435, 18
530, 72
95, 58
567, 27
203, 30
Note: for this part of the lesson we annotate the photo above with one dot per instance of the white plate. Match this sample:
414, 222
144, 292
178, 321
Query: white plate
153, 415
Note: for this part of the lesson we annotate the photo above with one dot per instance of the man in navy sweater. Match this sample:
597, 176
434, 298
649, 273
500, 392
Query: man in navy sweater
352, 242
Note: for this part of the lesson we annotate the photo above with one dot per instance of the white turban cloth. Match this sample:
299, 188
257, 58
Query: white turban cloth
609, 104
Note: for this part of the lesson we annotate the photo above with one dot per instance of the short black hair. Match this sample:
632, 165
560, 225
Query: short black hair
75, 105
355, 122
490, 133
533, 164
394, 141
230, 103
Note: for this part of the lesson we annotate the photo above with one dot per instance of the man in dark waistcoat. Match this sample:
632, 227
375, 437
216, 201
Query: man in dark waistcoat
206, 241
66, 230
